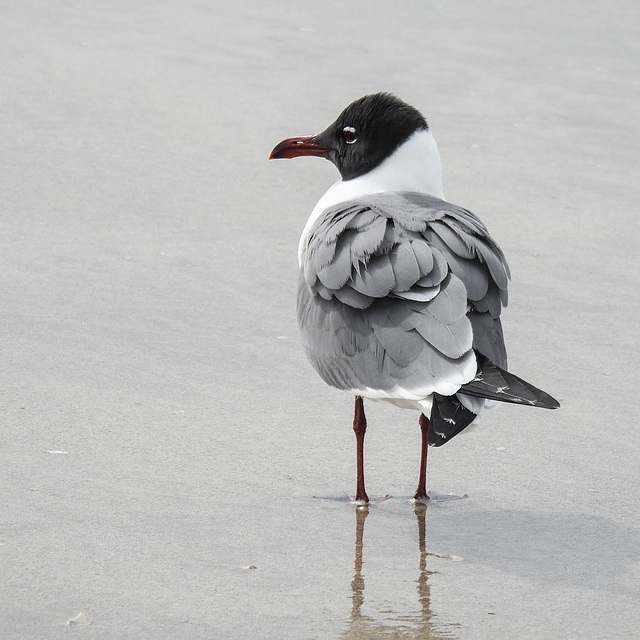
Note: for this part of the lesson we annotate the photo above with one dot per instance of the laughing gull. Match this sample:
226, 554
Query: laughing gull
400, 292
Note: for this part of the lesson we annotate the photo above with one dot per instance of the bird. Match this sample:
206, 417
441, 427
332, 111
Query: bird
400, 292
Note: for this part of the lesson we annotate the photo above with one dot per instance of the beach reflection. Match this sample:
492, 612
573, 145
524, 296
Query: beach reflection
422, 625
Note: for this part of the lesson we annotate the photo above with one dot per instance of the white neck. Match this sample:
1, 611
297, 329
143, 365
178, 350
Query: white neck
413, 166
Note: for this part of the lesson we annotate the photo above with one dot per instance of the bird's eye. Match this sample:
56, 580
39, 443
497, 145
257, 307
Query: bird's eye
350, 135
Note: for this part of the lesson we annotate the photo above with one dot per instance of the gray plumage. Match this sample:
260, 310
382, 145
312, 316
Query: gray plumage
396, 290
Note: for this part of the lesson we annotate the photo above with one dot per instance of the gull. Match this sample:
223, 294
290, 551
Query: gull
400, 292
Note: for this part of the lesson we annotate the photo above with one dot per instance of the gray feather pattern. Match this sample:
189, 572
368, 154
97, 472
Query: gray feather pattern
455, 241
402, 351
471, 271
349, 296
497, 267
341, 222
488, 338
369, 237
336, 273
474, 274
450, 304
453, 340
376, 280
424, 256
405, 267
492, 302
385, 288
363, 217
323, 292
438, 271
420, 294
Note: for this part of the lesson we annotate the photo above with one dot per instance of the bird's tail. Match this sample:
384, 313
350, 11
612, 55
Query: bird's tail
493, 383
449, 416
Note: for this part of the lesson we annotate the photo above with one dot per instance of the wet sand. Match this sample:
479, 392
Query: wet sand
171, 466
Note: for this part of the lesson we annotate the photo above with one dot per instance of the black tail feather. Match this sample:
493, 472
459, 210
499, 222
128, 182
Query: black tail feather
494, 383
448, 418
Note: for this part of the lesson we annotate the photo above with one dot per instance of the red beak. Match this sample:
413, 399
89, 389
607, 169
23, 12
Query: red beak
300, 146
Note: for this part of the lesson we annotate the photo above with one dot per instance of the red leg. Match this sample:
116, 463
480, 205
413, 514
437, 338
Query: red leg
421, 492
360, 428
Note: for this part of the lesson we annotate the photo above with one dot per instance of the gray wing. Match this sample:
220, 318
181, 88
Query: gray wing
396, 291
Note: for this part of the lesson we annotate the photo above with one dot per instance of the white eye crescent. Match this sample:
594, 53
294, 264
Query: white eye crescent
350, 135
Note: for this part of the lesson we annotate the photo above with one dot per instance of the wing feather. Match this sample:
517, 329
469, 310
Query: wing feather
376, 280
385, 294
406, 269
456, 241
336, 273
367, 237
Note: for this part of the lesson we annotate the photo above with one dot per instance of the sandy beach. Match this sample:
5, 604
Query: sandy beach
170, 464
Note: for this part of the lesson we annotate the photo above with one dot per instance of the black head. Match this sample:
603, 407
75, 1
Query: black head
367, 132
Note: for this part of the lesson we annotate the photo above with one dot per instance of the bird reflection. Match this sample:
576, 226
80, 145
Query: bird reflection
422, 625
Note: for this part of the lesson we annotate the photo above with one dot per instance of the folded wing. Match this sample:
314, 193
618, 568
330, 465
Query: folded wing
391, 291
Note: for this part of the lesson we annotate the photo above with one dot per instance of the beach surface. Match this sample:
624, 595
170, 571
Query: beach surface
170, 464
